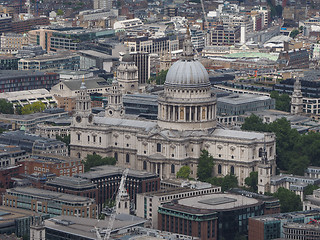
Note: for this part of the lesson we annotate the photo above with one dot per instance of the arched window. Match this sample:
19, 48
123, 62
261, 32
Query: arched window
260, 152
127, 157
173, 168
232, 170
219, 169
94, 153
79, 155
158, 147
144, 165
116, 156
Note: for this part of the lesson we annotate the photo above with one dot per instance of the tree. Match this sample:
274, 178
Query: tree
294, 33
33, 108
283, 101
309, 189
184, 172
96, 160
60, 12
6, 107
226, 183
252, 181
254, 123
205, 165
289, 201
160, 78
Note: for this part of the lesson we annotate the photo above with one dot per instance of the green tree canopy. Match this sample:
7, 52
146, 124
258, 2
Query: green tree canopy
184, 172
160, 78
252, 181
226, 183
96, 160
6, 107
60, 12
289, 201
205, 165
309, 189
254, 123
294, 152
283, 101
294, 33
33, 108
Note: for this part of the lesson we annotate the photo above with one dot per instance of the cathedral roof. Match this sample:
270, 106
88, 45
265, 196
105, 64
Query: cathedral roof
187, 72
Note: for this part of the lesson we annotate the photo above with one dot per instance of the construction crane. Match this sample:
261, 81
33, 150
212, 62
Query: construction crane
206, 24
113, 215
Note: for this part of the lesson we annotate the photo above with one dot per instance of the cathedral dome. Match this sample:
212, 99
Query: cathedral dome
187, 74
127, 58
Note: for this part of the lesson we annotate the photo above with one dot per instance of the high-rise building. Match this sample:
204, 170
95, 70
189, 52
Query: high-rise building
142, 61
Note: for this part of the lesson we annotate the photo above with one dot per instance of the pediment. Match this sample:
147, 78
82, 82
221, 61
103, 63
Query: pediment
158, 136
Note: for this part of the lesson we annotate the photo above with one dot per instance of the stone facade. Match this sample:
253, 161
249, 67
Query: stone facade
186, 125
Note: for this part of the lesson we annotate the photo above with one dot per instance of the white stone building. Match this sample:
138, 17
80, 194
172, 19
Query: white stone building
186, 125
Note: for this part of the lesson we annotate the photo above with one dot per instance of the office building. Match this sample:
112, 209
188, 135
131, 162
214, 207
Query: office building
16, 221
15, 80
95, 59
29, 121
52, 203
235, 104
209, 217
225, 35
8, 62
24, 26
74, 186
148, 203
5, 23
108, 179
273, 226
65, 60
102, 4
142, 61
303, 231
12, 42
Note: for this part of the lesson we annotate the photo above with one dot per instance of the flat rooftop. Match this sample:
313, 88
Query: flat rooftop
218, 201
236, 99
50, 195
71, 182
291, 215
109, 170
85, 227
8, 214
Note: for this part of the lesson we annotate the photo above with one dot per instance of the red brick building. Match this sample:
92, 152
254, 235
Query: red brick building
58, 165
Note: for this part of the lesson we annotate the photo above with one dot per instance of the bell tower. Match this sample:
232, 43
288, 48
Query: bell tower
297, 98
264, 173
83, 114
127, 74
115, 107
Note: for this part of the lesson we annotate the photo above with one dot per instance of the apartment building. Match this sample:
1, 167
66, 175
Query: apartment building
52, 203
